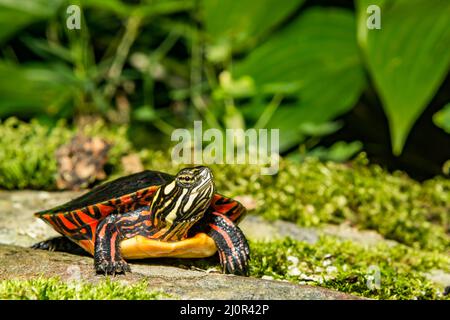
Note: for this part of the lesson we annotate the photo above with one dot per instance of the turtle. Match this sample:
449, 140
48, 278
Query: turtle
151, 214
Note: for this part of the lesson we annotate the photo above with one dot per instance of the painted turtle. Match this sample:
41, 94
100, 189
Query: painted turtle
151, 214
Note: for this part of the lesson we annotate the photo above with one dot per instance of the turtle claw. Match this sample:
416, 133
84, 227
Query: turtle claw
236, 263
112, 267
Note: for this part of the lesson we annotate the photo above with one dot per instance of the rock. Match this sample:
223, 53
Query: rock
258, 228
180, 283
18, 225
365, 237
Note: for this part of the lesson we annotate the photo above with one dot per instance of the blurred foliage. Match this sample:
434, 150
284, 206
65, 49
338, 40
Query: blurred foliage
401, 62
321, 75
345, 266
162, 64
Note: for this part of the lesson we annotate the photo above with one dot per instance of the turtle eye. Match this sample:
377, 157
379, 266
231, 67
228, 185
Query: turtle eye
186, 179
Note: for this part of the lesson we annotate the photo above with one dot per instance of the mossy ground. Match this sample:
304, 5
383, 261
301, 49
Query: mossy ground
416, 215
55, 289
381, 271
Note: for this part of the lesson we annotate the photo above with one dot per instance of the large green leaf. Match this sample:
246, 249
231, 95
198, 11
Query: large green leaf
408, 58
317, 58
33, 89
241, 23
17, 14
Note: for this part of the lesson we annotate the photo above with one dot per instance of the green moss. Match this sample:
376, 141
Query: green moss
347, 267
27, 151
394, 205
55, 289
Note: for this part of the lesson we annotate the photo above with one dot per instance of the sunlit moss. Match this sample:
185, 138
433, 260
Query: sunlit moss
350, 267
394, 205
55, 289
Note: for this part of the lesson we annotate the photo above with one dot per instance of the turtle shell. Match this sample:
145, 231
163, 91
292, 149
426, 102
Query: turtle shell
78, 218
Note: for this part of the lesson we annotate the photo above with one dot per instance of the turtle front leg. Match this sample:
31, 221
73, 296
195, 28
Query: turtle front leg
107, 256
231, 243
111, 231
234, 252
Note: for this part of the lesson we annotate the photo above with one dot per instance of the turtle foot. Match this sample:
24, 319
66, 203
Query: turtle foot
61, 244
112, 267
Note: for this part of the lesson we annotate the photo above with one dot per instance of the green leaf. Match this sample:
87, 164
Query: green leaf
33, 89
145, 113
317, 58
118, 7
15, 15
45, 49
442, 118
339, 152
408, 58
241, 23
147, 8
320, 130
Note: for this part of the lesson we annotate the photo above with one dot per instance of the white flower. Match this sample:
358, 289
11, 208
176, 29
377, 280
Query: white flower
326, 263
331, 269
294, 272
293, 260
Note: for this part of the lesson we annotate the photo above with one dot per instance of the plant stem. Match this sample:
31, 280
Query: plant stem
196, 83
269, 111
131, 31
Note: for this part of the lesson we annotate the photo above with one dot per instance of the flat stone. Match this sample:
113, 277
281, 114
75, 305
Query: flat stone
18, 225
179, 283
364, 237
258, 228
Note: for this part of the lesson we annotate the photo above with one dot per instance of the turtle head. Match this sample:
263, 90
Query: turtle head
178, 205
